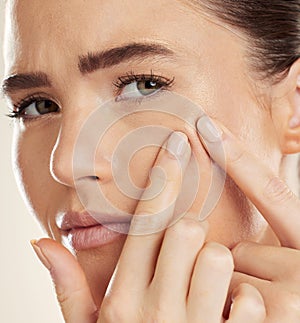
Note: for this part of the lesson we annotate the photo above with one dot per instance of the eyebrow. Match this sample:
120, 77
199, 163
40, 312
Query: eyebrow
108, 58
25, 81
88, 64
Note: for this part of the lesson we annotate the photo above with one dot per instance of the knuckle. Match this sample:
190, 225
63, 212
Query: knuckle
155, 316
159, 310
145, 212
67, 299
241, 247
277, 190
249, 299
112, 310
163, 176
237, 156
64, 297
188, 230
219, 255
251, 296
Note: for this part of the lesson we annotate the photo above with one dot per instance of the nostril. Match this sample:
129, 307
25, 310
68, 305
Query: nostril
95, 178
91, 177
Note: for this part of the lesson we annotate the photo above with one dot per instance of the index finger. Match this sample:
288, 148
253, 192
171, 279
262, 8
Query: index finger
137, 261
270, 194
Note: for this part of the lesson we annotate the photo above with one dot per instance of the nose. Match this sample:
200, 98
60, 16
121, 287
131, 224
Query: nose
73, 159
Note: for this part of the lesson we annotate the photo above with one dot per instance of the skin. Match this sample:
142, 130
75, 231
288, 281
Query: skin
227, 91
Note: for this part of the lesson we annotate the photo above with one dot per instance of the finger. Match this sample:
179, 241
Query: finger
264, 286
209, 284
181, 245
247, 305
271, 196
136, 264
281, 300
265, 262
72, 290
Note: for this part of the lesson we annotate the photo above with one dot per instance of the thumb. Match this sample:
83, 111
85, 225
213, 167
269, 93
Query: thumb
72, 290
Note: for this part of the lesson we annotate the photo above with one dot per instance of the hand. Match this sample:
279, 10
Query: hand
168, 276
273, 270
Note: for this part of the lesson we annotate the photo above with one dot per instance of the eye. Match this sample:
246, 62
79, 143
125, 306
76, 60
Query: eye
40, 107
34, 107
138, 86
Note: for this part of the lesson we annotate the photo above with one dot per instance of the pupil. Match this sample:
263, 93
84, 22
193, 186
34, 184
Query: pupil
147, 87
48, 104
150, 84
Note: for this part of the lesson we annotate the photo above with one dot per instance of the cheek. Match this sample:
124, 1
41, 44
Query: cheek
137, 154
253, 126
31, 156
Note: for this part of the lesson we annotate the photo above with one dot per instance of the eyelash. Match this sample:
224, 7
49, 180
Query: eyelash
121, 82
131, 77
21, 105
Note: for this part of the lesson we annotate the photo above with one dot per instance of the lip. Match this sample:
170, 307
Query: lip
93, 237
72, 220
84, 231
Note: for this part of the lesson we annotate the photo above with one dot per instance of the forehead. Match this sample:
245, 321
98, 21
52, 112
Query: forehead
49, 36
44, 29
88, 20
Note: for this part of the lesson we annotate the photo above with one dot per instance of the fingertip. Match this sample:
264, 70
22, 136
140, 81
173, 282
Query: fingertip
247, 302
209, 130
197, 217
70, 283
43, 242
212, 137
245, 290
52, 246
55, 257
40, 254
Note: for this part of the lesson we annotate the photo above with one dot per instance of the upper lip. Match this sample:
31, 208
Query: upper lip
72, 220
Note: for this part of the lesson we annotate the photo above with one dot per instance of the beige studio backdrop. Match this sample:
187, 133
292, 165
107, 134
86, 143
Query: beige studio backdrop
27, 294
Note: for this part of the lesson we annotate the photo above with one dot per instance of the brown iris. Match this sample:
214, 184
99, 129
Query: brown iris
46, 106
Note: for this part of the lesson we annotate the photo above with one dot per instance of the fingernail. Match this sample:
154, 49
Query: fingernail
177, 144
208, 130
40, 254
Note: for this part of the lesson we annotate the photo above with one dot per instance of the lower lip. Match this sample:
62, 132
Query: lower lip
96, 236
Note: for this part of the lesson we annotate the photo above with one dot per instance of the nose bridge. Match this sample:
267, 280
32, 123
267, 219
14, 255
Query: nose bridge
73, 158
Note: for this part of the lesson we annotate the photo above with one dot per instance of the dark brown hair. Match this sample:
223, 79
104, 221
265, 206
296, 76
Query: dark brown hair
272, 28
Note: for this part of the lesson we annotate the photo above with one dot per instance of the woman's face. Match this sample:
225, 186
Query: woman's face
208, 64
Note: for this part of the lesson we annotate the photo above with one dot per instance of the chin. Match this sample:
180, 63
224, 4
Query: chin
99, 264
